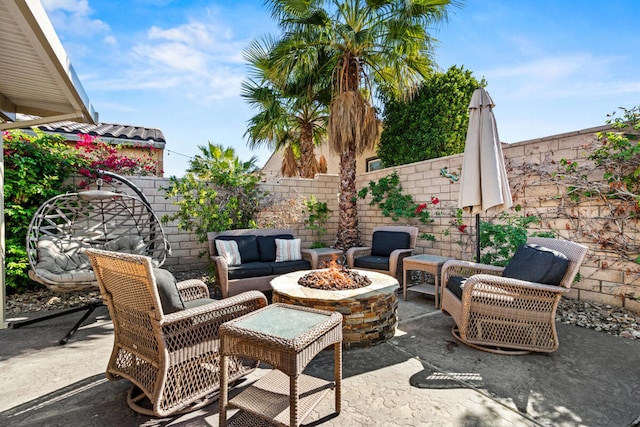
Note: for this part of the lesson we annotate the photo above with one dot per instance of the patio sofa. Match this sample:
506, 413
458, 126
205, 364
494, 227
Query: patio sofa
262, 256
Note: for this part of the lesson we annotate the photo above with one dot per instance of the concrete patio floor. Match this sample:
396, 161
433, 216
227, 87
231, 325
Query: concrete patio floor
422, 377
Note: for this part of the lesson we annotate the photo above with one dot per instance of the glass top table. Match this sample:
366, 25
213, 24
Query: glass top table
287, 337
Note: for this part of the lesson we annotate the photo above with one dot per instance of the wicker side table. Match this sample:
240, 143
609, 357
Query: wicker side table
286, 337
318, 256
431, 264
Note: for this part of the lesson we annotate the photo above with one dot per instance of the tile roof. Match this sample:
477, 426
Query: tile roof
105, 131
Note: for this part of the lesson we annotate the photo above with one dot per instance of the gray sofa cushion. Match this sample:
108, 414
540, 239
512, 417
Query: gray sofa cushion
535, 263
267, 246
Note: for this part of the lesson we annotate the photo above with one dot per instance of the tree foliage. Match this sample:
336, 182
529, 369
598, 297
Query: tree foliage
35, 170
292, 108
433, 123
218, 193
370, 45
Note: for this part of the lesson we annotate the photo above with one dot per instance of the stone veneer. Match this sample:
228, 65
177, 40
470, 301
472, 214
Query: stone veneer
370, 314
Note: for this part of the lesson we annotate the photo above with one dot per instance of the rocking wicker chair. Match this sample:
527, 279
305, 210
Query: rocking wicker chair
506, 315
68, 224
172, 359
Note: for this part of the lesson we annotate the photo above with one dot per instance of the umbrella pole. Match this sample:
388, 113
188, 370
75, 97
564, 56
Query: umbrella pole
478, 238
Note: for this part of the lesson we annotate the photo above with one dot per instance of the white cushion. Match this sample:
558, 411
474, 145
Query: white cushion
288, 250
228, 249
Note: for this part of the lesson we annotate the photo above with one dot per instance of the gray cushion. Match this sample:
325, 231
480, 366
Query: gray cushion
168, 291
247, 246
197, 302
385, 242
535, 263
267, 246
127, 244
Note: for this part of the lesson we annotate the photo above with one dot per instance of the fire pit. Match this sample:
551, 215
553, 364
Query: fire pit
369, 313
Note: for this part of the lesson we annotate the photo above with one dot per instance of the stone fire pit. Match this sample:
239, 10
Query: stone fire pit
369, 313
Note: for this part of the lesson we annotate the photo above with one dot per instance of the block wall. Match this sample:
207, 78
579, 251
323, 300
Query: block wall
604, 276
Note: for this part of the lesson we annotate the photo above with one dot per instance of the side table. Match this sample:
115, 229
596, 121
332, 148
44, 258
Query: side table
287, 337
319, 256
431, 264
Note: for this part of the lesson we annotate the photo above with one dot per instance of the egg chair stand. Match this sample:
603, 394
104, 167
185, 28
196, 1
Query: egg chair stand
66, 225
88, 308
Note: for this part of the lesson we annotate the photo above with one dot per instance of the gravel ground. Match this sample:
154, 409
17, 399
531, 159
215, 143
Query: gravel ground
591, 315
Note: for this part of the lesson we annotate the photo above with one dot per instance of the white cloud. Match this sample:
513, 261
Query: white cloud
564, 76
74, 17
200, 58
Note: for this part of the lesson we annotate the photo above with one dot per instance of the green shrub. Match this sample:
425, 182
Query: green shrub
35, 170
218, 193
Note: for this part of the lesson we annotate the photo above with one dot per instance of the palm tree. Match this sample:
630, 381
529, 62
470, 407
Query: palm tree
220, 164
292, 109
373, 45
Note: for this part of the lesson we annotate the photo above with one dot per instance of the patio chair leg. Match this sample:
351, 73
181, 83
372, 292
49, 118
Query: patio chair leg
89, 308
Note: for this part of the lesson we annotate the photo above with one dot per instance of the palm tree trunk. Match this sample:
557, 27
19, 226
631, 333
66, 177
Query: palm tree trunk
348, 220
307, 157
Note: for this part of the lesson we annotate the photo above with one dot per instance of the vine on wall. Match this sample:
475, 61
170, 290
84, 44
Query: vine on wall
597, 196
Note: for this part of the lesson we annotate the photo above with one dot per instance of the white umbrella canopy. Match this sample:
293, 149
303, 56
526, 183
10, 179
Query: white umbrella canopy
484, 184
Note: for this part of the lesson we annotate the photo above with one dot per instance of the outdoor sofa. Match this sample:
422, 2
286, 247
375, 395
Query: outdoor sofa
263, 255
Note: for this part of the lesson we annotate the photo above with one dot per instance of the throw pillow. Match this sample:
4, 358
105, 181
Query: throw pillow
228, 249
247, 246
288, 250
168, 291
267, 246
535, 263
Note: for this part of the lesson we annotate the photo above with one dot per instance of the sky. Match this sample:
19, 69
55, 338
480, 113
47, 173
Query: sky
552, 66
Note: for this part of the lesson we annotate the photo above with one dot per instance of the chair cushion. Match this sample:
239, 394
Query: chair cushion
456, 284
127, 244
59, 256
249, 269
385, 242
284, 267
168, 291
228, 249
247, 246
535, 263
267, 246
197, 302
372, 262
288, 250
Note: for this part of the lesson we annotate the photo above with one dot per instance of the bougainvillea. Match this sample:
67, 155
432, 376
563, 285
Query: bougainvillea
102, 156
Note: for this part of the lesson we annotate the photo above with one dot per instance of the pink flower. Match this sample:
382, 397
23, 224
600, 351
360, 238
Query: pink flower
435, 200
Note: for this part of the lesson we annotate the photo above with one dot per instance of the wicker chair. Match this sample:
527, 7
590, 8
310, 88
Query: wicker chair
171, 359
504, 315
366, 257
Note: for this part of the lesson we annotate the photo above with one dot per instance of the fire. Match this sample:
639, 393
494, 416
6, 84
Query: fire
334, 277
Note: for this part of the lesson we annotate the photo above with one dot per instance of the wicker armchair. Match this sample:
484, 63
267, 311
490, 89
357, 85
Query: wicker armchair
171, 359
387, 250
504, 315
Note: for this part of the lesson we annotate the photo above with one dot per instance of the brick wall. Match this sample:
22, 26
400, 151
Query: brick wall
605, 278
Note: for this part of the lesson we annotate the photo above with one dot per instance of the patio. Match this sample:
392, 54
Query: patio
420, 377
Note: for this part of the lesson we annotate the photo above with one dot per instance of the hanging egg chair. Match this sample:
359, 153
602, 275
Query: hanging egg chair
66, 225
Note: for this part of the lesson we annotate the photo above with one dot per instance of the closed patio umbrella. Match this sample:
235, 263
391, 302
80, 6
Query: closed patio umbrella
484, 184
